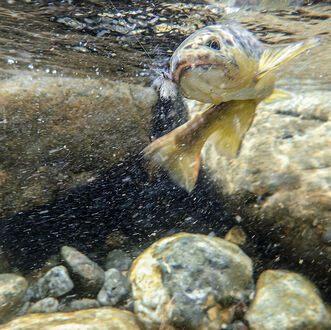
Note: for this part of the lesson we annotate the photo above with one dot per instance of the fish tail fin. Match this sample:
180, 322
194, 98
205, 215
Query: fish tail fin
181, 161
272, 58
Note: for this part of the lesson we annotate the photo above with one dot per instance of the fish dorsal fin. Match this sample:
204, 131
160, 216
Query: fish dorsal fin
272, 58
235, 123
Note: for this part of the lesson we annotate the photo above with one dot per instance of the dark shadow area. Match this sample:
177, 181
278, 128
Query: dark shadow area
121, 200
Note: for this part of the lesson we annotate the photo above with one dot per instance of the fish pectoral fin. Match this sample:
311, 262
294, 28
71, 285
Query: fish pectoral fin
276, 95
235, 123
272, 58
181, 162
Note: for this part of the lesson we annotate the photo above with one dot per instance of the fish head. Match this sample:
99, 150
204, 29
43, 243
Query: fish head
211, 64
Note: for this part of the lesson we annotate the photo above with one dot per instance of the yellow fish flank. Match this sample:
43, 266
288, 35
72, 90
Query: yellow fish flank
228, 67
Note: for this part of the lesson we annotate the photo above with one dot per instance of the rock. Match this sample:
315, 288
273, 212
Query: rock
190, 281
12, 291
55, 283
65, 131
80, 304
89, 274
118, 259
115, 288
47, 305
106, 318
291, 189
286, 300
236, 235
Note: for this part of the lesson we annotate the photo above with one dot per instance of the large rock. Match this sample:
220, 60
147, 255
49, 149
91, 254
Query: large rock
60, 132
12, 291
285, 161
87, 320
189, 281
286, 300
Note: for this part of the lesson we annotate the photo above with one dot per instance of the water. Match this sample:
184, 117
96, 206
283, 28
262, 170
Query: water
74, 118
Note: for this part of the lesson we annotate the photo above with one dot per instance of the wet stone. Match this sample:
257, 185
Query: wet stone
89, 274
118, 259
55, 283
79, 304
12, 290
105, 318
115, 288
46, 305
236, 235
286, 300
191, 280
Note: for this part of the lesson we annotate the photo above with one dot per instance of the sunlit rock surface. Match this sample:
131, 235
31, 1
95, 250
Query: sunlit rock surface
285, 161
90, 319
190, 281
286, 300
60, 132
12, 290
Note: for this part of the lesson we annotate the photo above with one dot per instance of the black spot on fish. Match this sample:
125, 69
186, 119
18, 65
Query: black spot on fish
188, 47
229, 42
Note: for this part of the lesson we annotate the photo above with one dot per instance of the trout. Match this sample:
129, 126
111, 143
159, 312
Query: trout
227, 67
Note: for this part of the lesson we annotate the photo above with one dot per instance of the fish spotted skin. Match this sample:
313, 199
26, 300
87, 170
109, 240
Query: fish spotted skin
227, 67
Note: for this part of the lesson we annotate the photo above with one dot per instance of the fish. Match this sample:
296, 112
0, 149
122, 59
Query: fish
228, 71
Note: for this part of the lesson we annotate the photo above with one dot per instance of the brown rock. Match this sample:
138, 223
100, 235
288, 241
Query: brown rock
91, 319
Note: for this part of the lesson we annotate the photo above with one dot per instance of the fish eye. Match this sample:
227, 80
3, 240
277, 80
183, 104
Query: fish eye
214, 44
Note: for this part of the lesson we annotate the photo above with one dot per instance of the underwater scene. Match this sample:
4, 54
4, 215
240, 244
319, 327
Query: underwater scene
165, 164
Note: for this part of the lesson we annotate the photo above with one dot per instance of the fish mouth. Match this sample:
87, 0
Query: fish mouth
183, 66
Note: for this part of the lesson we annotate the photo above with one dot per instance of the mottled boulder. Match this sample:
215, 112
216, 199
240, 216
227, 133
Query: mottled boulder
107, 319
55, 283
190, 281
286, 300
284, 162
115, 288
60, 132
46, 305
89, 275
12, 291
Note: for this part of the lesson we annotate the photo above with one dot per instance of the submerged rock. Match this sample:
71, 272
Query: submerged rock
80, 304
55, 283
286, 300
46, 305
115, 288
284, 162
12, 291
61, 132
118, 259
106, 318
89, 275
190, 281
